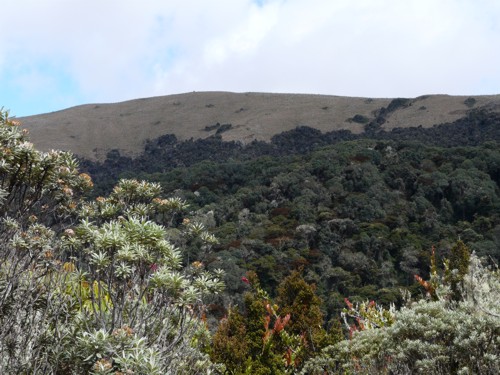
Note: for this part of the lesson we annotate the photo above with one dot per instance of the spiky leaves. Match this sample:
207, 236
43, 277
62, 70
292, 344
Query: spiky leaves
138, 275
92, 287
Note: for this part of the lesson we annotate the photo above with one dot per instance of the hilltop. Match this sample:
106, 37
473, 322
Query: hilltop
91, 131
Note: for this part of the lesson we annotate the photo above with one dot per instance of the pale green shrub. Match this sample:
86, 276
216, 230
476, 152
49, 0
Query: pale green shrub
428, 337
94, 287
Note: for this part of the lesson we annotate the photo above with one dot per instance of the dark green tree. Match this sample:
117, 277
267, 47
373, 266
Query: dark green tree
272, 337
298, 298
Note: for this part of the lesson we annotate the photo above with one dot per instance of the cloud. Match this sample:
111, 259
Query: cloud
245, 39
105, 51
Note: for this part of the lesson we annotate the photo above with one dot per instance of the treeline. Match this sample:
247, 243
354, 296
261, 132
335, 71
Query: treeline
166, 152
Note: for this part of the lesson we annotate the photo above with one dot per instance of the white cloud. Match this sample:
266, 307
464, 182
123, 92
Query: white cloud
245, 39
114, 50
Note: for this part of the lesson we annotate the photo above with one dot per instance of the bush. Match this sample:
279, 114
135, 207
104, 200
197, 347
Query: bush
94, 286
439, 335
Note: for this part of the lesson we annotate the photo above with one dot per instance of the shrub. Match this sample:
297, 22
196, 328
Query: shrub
94, 286
440, 335
470, 102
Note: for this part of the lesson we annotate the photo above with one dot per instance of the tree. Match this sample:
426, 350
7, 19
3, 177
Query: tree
260, 349
298, 298
456, 268
38, 197
134, 277
229, 345
272, 338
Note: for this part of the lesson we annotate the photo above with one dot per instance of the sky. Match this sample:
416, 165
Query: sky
56, 54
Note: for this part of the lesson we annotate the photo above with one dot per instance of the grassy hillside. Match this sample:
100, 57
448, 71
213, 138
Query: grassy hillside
92, 130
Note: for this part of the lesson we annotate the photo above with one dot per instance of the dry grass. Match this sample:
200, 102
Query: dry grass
92, 130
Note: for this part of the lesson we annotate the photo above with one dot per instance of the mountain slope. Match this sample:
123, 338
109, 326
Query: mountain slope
92, 130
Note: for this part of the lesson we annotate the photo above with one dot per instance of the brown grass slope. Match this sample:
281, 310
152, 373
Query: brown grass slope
94, 129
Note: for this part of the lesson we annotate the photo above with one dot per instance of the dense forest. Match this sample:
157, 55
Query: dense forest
314, 253
357, 213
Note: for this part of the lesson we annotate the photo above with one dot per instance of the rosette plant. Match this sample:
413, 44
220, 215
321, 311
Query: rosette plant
38, 197
129, 277
94, 287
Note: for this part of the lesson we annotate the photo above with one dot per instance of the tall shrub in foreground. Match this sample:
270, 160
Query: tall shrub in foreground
95, 287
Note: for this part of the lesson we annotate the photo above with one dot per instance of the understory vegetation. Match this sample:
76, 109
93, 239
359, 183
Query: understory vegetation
312, 254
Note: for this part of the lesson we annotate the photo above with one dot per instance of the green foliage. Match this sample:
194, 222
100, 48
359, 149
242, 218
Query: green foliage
298, 298
122, 282
470, 102
43, 184
138, 281
360, 119
457, 266
95, 286
368, 207
367, 315
274, 338
439, 336
228, 343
